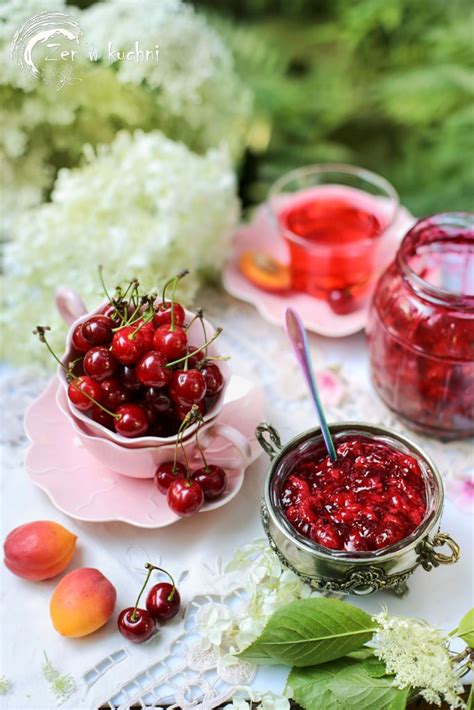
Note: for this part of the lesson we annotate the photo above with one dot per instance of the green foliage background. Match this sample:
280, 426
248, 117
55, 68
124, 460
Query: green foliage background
386, 84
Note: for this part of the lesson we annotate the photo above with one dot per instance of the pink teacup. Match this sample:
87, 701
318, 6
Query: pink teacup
73, 311
142, 462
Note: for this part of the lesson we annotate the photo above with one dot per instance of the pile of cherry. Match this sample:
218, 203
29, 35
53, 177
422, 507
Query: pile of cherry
162, 603
132, 368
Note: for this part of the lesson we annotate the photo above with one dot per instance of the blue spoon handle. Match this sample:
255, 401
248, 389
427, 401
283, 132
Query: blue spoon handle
297, 336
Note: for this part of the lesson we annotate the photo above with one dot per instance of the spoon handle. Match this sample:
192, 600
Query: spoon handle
299, 340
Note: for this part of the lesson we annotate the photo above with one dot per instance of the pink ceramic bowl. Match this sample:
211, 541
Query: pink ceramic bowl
142, 462
73, 311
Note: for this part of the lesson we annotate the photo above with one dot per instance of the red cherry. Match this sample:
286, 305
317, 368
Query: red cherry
98, 330
158, 400
147, 329
213, 377
342, 301
87, 385
99, 363
181, 410
127, 345
113, 394
166, 473
172, 343
196, 357
184, 497
152, 370
187, 386
163, 601
212, 479
133, 420
165, 425
101, 417
127, 377
78, 341
138, 628
163, 314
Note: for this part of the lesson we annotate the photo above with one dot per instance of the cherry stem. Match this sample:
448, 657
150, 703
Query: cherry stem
198, 444
150, 569
70, 376
176, 278
198, 350
147, 317
201, 318
101, 277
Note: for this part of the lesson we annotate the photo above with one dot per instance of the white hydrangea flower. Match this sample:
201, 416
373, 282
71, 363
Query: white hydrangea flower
213, 622
144, 206
238, 703
417, 654
269, 701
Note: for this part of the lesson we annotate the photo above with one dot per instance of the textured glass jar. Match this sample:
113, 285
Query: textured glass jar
421, 328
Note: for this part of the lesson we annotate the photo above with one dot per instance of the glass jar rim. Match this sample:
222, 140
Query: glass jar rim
343, 168
424, 288
362, 556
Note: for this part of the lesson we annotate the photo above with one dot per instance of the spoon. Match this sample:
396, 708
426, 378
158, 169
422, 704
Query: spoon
297, 336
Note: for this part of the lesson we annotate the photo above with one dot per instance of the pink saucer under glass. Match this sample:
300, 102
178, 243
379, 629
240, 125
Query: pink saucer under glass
80, 486
262, 235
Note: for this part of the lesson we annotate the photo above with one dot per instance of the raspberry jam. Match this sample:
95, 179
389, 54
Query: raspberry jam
373, 496
421, 328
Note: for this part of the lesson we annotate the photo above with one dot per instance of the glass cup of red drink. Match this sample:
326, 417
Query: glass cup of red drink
335, 220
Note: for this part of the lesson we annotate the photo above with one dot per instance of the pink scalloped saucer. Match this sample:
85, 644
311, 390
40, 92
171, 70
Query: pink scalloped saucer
262, 235
85, 489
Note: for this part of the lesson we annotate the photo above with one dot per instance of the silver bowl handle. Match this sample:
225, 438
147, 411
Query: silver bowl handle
428, 557
269, 439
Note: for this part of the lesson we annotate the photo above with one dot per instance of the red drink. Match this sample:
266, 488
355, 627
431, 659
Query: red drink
334, 219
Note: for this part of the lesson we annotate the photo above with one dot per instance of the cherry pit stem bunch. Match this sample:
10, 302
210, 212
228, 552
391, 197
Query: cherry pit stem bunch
186, 490
162, 604
132, 368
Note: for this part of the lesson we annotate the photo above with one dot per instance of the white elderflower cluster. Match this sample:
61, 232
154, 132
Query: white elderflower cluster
144, 206
417, 654
269, 586
268, 701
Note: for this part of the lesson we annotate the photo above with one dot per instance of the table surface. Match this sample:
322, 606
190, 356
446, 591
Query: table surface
194, 547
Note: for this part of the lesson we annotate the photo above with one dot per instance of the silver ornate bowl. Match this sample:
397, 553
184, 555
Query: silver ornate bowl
338, 570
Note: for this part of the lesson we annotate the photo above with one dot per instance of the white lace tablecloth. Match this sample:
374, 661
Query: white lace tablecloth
171, 668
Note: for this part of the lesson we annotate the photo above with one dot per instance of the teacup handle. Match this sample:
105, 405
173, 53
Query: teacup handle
69, 304
231, 435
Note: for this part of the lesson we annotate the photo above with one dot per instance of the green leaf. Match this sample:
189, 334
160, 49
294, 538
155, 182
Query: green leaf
466, 628
345, 684
470, 700
311, 631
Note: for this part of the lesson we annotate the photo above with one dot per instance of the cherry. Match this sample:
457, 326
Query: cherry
163, 601
148, 331
127, 345
152, 370
78, 341
98, 330
132, 420
158, 400
213, 377
167, 472
78, 390
212, 479
128, 378
172, 342
102, 417
165, 425
99, 363
163, 314
184, 497
197, 356
113, 394
137, 625
342, 301
187, 386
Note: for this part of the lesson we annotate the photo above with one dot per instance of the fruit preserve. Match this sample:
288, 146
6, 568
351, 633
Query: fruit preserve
421, 328
373, 496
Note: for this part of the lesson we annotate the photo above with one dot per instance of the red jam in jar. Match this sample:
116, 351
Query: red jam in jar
373, 496
421, 328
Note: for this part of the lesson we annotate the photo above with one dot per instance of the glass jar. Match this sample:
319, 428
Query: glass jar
421, 328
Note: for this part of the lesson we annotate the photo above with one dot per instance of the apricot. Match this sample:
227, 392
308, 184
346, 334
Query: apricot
265, 272
83, 601
39, 550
